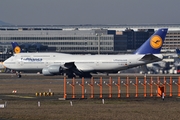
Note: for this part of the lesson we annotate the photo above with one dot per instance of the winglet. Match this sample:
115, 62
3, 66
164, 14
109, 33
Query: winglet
154, 44
16, 47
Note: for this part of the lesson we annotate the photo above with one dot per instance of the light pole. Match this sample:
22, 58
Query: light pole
97, 34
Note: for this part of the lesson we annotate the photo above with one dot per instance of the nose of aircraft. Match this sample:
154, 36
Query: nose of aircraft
2, 65
9, 62
5, 64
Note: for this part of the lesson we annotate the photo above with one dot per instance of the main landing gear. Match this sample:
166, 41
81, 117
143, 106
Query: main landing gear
85, 75
70, 75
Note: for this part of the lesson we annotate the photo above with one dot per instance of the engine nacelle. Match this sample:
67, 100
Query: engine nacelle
46, 72
52, 70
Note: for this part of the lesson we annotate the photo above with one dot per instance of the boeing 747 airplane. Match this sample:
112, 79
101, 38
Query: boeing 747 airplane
83, 65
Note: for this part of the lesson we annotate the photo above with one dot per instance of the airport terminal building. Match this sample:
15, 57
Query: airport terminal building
67, 41
93, 41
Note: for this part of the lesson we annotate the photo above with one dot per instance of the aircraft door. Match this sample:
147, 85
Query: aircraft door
131, 62
97, 63
46, 63
19, 61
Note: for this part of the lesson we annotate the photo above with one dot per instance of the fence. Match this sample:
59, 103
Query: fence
122, 87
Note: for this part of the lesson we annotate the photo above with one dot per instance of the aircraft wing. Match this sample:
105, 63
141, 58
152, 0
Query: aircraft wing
69, 65
78, 66
150, 57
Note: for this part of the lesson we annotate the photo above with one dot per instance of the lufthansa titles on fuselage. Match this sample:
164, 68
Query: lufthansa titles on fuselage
31, 59
120, 60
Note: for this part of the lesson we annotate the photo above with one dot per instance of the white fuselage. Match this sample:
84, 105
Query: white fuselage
38, 61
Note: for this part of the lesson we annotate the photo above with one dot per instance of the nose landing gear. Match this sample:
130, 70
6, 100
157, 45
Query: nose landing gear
18, 74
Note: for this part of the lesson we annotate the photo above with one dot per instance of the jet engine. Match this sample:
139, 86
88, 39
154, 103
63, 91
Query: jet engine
52, 70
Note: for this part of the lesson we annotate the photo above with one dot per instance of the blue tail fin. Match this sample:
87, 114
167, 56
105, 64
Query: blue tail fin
154, 44
16, 47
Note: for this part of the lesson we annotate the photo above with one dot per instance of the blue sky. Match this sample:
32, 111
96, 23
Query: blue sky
76, 12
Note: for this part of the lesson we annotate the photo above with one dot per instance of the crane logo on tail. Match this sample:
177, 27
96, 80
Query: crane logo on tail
156, 42
17, 49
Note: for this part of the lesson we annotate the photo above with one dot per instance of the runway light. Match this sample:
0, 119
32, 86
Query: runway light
49, 90
71, 103
14, 91
102, 101
39, 104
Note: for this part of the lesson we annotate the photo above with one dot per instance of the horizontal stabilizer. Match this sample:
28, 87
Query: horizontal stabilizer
150, 57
